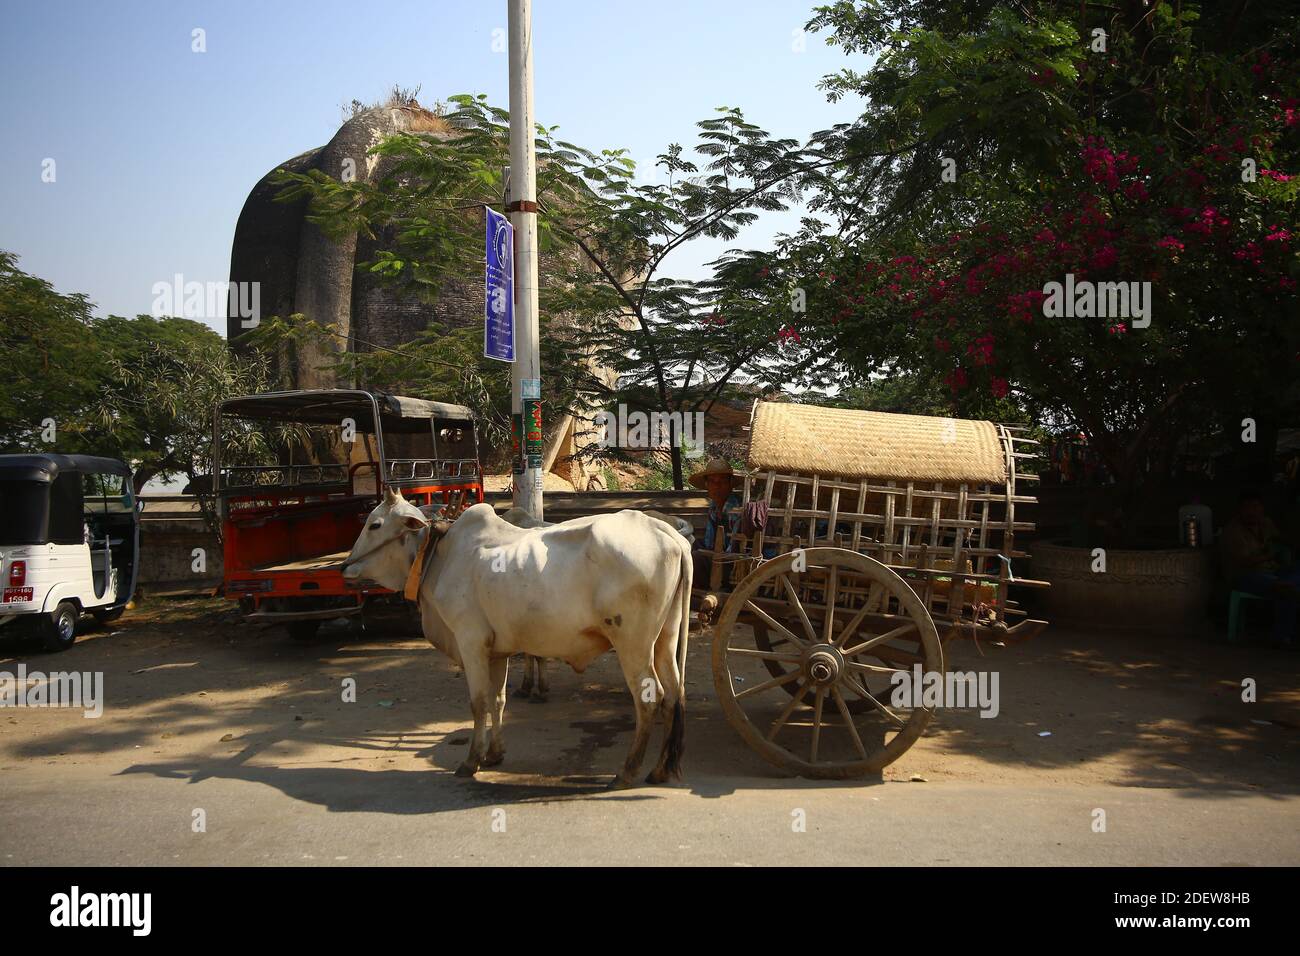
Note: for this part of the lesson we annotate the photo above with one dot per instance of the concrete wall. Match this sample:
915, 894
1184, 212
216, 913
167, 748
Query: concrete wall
171, 527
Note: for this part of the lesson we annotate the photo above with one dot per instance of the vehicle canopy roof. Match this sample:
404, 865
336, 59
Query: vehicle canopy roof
46, 467
397, 413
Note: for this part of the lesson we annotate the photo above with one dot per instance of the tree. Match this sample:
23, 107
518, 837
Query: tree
673, 345
1145, 143
52, 377
140, 389
159, 406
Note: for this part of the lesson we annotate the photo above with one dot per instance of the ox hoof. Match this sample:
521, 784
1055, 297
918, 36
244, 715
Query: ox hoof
657, 776
494, 759
619, 783
466, 770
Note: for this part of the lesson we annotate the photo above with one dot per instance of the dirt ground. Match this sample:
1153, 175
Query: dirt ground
193, 694
180, 675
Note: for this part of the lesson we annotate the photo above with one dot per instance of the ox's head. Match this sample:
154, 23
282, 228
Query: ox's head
387, 545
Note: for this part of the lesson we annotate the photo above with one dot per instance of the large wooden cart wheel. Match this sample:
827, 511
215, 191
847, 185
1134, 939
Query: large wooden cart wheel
833, 662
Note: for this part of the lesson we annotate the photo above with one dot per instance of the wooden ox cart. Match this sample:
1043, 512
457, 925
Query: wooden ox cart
885, 536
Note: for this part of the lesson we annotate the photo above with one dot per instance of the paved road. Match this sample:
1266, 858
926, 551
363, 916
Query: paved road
328, 815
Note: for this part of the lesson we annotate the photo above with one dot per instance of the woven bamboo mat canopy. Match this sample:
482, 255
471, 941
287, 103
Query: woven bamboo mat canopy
879, 445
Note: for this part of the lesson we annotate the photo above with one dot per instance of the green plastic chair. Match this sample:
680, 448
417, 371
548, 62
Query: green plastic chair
1234, 611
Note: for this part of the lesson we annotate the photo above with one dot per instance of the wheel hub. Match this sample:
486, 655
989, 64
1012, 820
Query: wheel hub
823, 665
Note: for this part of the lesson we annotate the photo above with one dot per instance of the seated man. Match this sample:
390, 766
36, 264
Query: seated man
718, 478
1251, 550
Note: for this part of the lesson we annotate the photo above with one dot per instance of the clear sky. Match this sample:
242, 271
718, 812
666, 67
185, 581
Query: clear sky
156, 147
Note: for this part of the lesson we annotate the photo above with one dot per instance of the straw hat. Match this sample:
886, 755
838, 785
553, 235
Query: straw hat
716, 466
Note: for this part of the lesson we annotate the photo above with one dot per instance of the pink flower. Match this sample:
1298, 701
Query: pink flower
1105, 257
998, 386
1099, 163
1169, 242
1249, 253
982, 349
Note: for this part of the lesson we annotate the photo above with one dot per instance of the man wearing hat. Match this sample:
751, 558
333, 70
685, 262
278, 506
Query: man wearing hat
718, 479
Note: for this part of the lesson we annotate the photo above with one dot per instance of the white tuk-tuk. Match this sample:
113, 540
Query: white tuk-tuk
69, 543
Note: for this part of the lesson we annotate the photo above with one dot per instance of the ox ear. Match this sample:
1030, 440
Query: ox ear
413, 523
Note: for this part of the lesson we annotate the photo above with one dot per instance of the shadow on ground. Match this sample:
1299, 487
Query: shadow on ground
194, 693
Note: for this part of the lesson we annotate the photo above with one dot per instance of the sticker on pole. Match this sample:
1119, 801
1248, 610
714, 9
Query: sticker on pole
517, 443
530, 388
533, 445
499, 307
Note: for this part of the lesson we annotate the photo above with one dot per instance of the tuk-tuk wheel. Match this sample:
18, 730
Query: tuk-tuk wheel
59, 627
304, 631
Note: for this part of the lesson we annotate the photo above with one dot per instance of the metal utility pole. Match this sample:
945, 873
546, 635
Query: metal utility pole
526, 375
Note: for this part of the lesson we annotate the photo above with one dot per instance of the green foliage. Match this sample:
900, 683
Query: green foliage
670, 344
1122, 164
611, 479
138, 389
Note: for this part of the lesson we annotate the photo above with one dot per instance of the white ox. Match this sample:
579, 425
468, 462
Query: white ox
534, 687
569, 591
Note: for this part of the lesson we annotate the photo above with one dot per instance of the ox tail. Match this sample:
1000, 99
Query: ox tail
675, 743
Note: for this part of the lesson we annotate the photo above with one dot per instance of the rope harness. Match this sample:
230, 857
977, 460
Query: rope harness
421, 564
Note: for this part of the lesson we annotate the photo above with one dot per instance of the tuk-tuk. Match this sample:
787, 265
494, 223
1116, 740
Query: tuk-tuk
69, 542
296, 473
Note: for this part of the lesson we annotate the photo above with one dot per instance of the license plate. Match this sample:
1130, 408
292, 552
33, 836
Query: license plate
17, 595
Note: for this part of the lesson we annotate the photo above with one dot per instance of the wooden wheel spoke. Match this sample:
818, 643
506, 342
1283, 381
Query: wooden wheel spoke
852, 626
817, 723
786, 656
874, 668
874, 594
879, 639
848, 721
832, 592
789, 708
776, 625
774, 682
798, 606
861, 691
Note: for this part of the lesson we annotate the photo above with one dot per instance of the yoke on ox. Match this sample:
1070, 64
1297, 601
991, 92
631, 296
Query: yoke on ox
487, 589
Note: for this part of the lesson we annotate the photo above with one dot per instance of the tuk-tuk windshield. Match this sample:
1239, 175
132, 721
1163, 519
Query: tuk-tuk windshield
107, 494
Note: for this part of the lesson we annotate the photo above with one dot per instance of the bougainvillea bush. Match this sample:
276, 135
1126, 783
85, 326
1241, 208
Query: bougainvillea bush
1162, 151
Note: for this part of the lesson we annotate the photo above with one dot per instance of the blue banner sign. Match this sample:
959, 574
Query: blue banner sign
499, 308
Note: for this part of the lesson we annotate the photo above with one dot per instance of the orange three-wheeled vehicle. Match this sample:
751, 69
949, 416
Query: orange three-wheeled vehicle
296, 473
